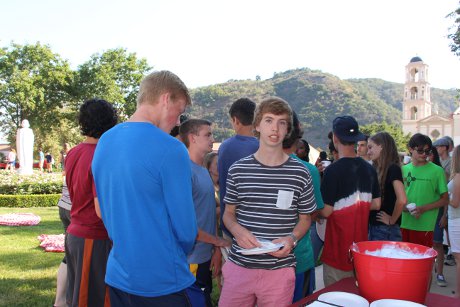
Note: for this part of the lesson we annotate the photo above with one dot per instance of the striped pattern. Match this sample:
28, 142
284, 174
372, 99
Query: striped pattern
255, 189
64, 201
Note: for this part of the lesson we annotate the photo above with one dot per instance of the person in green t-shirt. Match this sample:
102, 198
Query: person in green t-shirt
426, 186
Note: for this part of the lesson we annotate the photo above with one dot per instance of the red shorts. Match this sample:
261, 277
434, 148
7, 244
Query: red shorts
424, 238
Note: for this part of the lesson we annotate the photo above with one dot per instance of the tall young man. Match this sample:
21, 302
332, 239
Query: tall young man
269, 197
142, 177
426, 186
204, 258
87, 243
239, 146
350, 189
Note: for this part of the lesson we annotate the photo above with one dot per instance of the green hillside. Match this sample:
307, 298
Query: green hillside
317, 98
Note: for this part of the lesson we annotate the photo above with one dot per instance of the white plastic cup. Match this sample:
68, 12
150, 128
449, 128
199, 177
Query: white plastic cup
411, 207
325, 163
406, 159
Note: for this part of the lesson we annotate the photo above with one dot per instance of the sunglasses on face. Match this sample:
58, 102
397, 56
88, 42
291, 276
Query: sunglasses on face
423, 151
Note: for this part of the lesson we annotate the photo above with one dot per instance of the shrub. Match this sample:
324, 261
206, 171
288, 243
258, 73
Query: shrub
31, 188
38, 183
27, 201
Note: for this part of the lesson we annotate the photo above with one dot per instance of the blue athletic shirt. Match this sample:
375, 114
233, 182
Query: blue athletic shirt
143, 183
205, 208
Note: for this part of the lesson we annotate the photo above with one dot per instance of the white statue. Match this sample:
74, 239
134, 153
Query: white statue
25, 148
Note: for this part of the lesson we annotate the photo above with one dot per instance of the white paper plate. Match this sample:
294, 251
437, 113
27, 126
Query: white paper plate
395, 303
267, 247
344, 299
319, 304
321, 229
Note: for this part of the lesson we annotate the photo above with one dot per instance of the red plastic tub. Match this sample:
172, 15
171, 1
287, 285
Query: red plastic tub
390, 278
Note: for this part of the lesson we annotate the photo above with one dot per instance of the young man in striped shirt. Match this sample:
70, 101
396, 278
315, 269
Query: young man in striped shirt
269, 197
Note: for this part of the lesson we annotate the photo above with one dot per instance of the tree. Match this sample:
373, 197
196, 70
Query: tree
455, 36
34, 85
115, 76
395, 131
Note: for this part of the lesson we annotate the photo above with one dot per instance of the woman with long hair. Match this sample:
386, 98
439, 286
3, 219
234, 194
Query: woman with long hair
384, 224
453, 212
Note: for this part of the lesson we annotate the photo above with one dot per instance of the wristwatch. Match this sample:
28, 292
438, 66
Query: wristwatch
294, 238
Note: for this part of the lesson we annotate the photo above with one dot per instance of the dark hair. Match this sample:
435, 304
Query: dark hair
331, 143
419, 140
175, 131
345, 143
436, 159
332, 147
96, 117
243, 109
307, 150
323, 155
295, 133
191, 126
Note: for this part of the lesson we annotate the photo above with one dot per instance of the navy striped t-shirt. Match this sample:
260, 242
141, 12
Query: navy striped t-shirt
269, 200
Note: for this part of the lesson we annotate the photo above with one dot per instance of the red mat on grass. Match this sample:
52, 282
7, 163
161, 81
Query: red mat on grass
19, 219
52, 243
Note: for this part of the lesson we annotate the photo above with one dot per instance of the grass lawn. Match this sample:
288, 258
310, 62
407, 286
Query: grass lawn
27, 273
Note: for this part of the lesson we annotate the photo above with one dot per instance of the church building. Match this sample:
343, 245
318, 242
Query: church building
419, 113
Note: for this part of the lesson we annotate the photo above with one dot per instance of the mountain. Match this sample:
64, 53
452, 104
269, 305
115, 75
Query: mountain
317, 98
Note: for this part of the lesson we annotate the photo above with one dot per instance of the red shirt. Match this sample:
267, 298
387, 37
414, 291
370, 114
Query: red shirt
84, 221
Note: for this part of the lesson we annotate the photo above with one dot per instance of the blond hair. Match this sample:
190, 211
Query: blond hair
157, 83
276, 106
455, 166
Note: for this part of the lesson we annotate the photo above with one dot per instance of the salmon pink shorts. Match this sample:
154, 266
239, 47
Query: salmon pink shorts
248, 287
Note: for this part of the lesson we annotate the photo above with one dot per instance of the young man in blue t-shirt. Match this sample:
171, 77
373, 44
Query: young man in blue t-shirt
239, 146
204, 259
142, 177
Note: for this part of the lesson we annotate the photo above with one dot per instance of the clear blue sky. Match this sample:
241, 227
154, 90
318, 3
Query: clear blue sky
208, 42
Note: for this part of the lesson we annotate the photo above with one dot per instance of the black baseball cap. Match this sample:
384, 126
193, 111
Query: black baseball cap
347, 129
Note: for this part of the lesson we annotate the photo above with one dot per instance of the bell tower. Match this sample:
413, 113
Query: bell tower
417, 101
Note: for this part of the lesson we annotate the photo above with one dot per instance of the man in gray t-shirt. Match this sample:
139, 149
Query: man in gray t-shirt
442, 147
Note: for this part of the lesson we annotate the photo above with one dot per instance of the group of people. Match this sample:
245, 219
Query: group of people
427, 179
145, 229
48, 167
